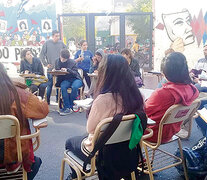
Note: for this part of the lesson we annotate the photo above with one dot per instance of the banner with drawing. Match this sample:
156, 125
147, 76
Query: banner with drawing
26, 23
181, 25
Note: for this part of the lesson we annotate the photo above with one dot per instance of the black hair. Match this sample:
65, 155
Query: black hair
21, 23
127, 52
175, 68
81, 42
64, 53
23, 53
54, 32
119, 80
48, 24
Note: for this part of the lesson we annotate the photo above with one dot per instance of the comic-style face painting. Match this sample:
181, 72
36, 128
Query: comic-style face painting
46, 25
3, 26
22, 25
178, 25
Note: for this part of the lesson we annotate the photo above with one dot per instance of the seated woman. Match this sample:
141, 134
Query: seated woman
134, 66
177, 90
33, 65
22, 104
97, 59
99, 55
111, 97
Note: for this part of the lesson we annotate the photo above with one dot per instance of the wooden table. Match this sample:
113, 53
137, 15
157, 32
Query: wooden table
58, 73
29, 75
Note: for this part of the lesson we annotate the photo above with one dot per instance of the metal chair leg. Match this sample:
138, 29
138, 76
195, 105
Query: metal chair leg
133, 177
62, 169
183, 160
148, 163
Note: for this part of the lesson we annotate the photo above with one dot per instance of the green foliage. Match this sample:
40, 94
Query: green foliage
141, 24
73, 26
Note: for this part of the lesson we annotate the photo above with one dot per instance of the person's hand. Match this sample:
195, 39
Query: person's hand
191, 74
96, 72
49, 65
53, 70
63, 69
95, 61
178, 45
196, 80
26, 72
79, 59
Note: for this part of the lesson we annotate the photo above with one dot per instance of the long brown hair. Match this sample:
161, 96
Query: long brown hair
9, 95
114, 76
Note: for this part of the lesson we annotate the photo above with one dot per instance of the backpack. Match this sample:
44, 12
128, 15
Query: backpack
116, 160
196, 160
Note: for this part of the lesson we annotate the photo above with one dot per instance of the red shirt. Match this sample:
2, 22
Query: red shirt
161, 99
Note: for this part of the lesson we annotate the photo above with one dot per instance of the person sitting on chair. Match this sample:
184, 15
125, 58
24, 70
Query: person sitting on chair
22, 104
134, 66
177, 90
111, 97
99, 55
71, 80
33, 65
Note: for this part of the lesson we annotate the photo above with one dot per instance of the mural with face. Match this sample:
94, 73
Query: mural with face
178, 25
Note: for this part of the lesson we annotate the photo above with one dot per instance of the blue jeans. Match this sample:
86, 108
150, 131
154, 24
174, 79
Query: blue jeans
200, 89
200, 122
68, 99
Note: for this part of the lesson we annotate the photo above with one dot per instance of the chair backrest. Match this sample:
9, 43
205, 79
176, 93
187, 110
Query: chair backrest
121, 134
9, 127
177, 113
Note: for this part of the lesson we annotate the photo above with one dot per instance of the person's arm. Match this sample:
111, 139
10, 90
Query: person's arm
35, 108
22, 67
136, 69
43, 53
73, 68
57, 67
40, 70
77, 57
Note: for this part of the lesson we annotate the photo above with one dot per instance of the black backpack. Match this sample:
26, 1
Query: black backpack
116, 161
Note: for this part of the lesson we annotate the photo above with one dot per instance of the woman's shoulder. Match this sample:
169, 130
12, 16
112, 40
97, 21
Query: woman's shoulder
37, 60
23, 94
103, 98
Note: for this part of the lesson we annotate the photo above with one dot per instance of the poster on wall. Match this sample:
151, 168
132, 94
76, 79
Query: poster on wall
46, 25
182, 28
3, 26
22, 25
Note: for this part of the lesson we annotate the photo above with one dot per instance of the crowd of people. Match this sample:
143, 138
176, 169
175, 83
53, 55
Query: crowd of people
115, 90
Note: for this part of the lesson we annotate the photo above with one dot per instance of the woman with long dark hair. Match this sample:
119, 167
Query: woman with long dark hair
177, 90
22, 104
33, 65
116, 92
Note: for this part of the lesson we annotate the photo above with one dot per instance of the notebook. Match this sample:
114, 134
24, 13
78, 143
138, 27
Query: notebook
37, 122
